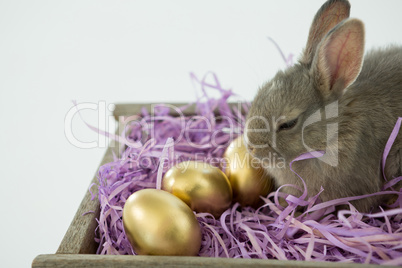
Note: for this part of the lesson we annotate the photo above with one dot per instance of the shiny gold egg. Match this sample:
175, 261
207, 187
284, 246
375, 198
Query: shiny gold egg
203, 187
158, 223
246, 175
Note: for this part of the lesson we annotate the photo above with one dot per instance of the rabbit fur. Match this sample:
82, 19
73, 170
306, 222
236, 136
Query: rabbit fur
332, 101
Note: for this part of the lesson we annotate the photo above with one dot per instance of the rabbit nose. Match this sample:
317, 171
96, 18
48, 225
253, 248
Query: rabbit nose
251, 150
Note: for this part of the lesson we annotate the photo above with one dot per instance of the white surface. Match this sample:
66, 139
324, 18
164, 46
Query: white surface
52, 52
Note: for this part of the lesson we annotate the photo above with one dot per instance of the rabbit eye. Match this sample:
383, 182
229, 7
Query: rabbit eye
288, 125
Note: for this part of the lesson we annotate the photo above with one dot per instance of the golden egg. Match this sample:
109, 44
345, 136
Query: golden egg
203, 187
246, 175
158, 223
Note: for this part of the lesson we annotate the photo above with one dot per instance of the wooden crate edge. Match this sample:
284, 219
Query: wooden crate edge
91, 260
79, 238
129, 109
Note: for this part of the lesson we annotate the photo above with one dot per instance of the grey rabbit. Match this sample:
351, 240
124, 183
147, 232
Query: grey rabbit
331, 101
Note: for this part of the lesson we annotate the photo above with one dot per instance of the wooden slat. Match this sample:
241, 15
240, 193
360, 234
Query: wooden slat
103, 261
79, 238
128, 109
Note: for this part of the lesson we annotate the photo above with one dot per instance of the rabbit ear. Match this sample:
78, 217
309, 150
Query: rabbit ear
339, 58
328, 16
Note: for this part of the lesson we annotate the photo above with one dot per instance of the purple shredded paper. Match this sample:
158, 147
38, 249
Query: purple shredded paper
156, 141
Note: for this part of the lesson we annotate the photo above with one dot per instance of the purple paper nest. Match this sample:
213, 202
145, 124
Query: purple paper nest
270, 232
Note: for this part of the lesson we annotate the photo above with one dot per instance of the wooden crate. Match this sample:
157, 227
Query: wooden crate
78, 247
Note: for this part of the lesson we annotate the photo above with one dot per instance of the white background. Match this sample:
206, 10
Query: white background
53, 52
